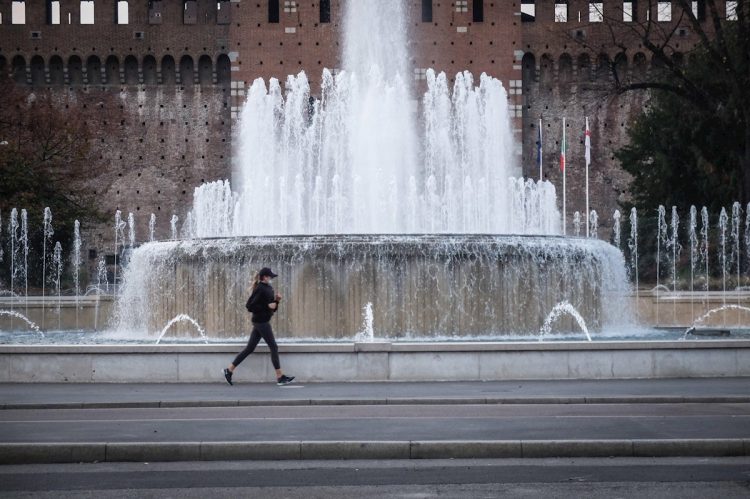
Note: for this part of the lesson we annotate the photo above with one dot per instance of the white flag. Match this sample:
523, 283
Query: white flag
588, 143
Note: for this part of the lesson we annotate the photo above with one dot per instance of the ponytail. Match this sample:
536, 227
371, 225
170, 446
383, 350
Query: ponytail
255, 281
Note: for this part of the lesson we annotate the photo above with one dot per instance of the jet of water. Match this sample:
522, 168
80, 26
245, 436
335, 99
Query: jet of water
13, 236
576, 224
723, 221
633, 246
661, 238
173, 224
182, 318
24, 241
616, 228
18, 315
594, 224
119, 235
77, 262
693, 237
151, 227
57, 277
47, 239
674, 243
131, 229
704, 250
564, 307
101, 279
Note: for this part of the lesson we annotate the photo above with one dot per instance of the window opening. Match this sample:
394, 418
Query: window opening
426, 11
87, 12
561, 12
477, 11
53, 12
122, 12
528, 11
596, 12
290, 6
18, 13
273, 11
462, 6
325, 11
627, 12
731, 10
664, 11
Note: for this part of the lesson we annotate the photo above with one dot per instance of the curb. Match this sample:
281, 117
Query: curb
647, 399
93, 452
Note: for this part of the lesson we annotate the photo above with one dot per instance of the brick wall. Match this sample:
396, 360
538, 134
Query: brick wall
180, 71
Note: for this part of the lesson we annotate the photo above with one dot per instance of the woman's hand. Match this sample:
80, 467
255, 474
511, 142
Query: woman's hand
272, 305
278, 297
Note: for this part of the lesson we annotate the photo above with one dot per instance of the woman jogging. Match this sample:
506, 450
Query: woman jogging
263, 303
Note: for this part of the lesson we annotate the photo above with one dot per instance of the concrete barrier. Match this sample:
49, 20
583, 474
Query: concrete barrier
310, 362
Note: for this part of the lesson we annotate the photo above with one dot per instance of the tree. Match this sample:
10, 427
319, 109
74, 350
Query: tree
46, 160
692, 145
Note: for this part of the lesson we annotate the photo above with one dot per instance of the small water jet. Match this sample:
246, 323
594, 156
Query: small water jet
182, 318
19, 315
557, 311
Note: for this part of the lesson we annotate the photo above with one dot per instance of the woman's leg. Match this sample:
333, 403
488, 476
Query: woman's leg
250, 348
267, 333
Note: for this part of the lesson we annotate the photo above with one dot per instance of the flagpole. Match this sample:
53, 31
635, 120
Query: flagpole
562, 158
588, 160
540, 150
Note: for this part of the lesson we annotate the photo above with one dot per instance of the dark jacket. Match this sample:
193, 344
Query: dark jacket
258, 303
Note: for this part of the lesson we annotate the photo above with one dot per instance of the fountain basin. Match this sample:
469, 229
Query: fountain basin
420, 286
379, 361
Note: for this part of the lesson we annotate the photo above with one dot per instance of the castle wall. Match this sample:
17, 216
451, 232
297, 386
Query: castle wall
180, 70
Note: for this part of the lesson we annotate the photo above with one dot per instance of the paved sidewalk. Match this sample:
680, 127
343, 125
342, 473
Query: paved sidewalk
83, 395
49, 423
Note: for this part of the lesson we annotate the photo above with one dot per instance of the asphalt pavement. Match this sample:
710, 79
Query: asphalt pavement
53, 423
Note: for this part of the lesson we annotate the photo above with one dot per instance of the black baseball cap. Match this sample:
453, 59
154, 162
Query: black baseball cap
265, 271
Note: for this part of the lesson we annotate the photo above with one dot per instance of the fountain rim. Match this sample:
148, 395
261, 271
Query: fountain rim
386, 236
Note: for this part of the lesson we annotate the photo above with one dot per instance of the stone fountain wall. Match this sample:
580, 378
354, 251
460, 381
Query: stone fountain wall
419, 286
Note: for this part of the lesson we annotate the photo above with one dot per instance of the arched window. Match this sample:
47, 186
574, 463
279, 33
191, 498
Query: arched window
112, 68
37, 71
546, 75
205, 71
603, 67
168, 76
19, 70
131, 70
75, 70
640, 65
56, 72
149, 70
565, 69
223, 71
584, 67
186, 70
94, 70
621, 66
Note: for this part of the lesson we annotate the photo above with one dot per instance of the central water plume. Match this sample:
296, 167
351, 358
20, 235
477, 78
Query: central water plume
366, 155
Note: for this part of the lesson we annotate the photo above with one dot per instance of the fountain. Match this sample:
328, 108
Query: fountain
380, 207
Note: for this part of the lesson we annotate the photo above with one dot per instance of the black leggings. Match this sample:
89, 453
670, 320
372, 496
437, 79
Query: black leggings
260, 330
